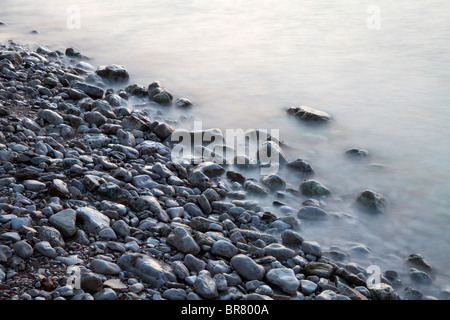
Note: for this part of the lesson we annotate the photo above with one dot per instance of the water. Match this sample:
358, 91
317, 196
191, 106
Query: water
244, 62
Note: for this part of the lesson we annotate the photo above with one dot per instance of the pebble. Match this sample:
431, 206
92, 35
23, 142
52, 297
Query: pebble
89, 183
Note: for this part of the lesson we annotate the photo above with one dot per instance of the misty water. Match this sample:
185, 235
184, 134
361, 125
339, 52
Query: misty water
242, 63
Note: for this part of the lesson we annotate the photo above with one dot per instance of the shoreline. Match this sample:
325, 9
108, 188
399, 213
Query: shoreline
104, 197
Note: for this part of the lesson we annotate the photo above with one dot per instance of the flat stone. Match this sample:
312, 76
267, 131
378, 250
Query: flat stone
312, 213
92, 220
283, 278
45, 249
104, 267
183, 241
152, 271
205, 286
306, 113
314, 188
372, 201
34, 185
224, 249
279, 251
247, 267
64, 221
23, 249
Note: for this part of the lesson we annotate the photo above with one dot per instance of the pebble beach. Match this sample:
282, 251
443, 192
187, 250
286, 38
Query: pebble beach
93, 207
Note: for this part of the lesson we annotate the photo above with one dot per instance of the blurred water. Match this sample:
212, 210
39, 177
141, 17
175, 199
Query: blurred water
244, 62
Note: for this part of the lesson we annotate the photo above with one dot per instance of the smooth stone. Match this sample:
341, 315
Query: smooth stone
307, 287
144, 181
247, 267
113, 73
291, 238
372, 201
279, 251
205, 286
174, 294
91, 282
152, 271
105, 267
45, 249
313, 188
383, 291
92, 220
306, 113
312, 247
50, 116
224, 249
320, 269
418, 261
34, 185
283, 278
64, 221
274, 182
105, 294
23, 249
312, 213
182, 240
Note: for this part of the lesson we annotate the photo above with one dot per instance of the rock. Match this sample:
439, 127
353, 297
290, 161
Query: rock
91, 90
320, 269
194, 264
144, 181
420, 276
300, 166
58, 188
224, 249
200, 180
12, 56
50, 116
254, 188
274, 182
5, 253
192, 209
357, 153
163, 97
152, 271
105, 294
163, 130
92, 220
307, 287
95, 117
64, 221
91, 282
372, 201
279, 251
150, 203
311, 247
383, 291
283, 278
252, 236
247, 267
23, 249
418, 261
313, 188
34, 185
210, 169
183, 103
113, 73
183, 241
312, 213
308, 114
45, 249
126, 138
95, 140
51, 235
104, 267
291, 238
205, 286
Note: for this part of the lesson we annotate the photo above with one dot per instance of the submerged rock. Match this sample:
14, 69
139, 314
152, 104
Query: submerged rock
314, 188
308, 114
113, 73
152, 271
372, 201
